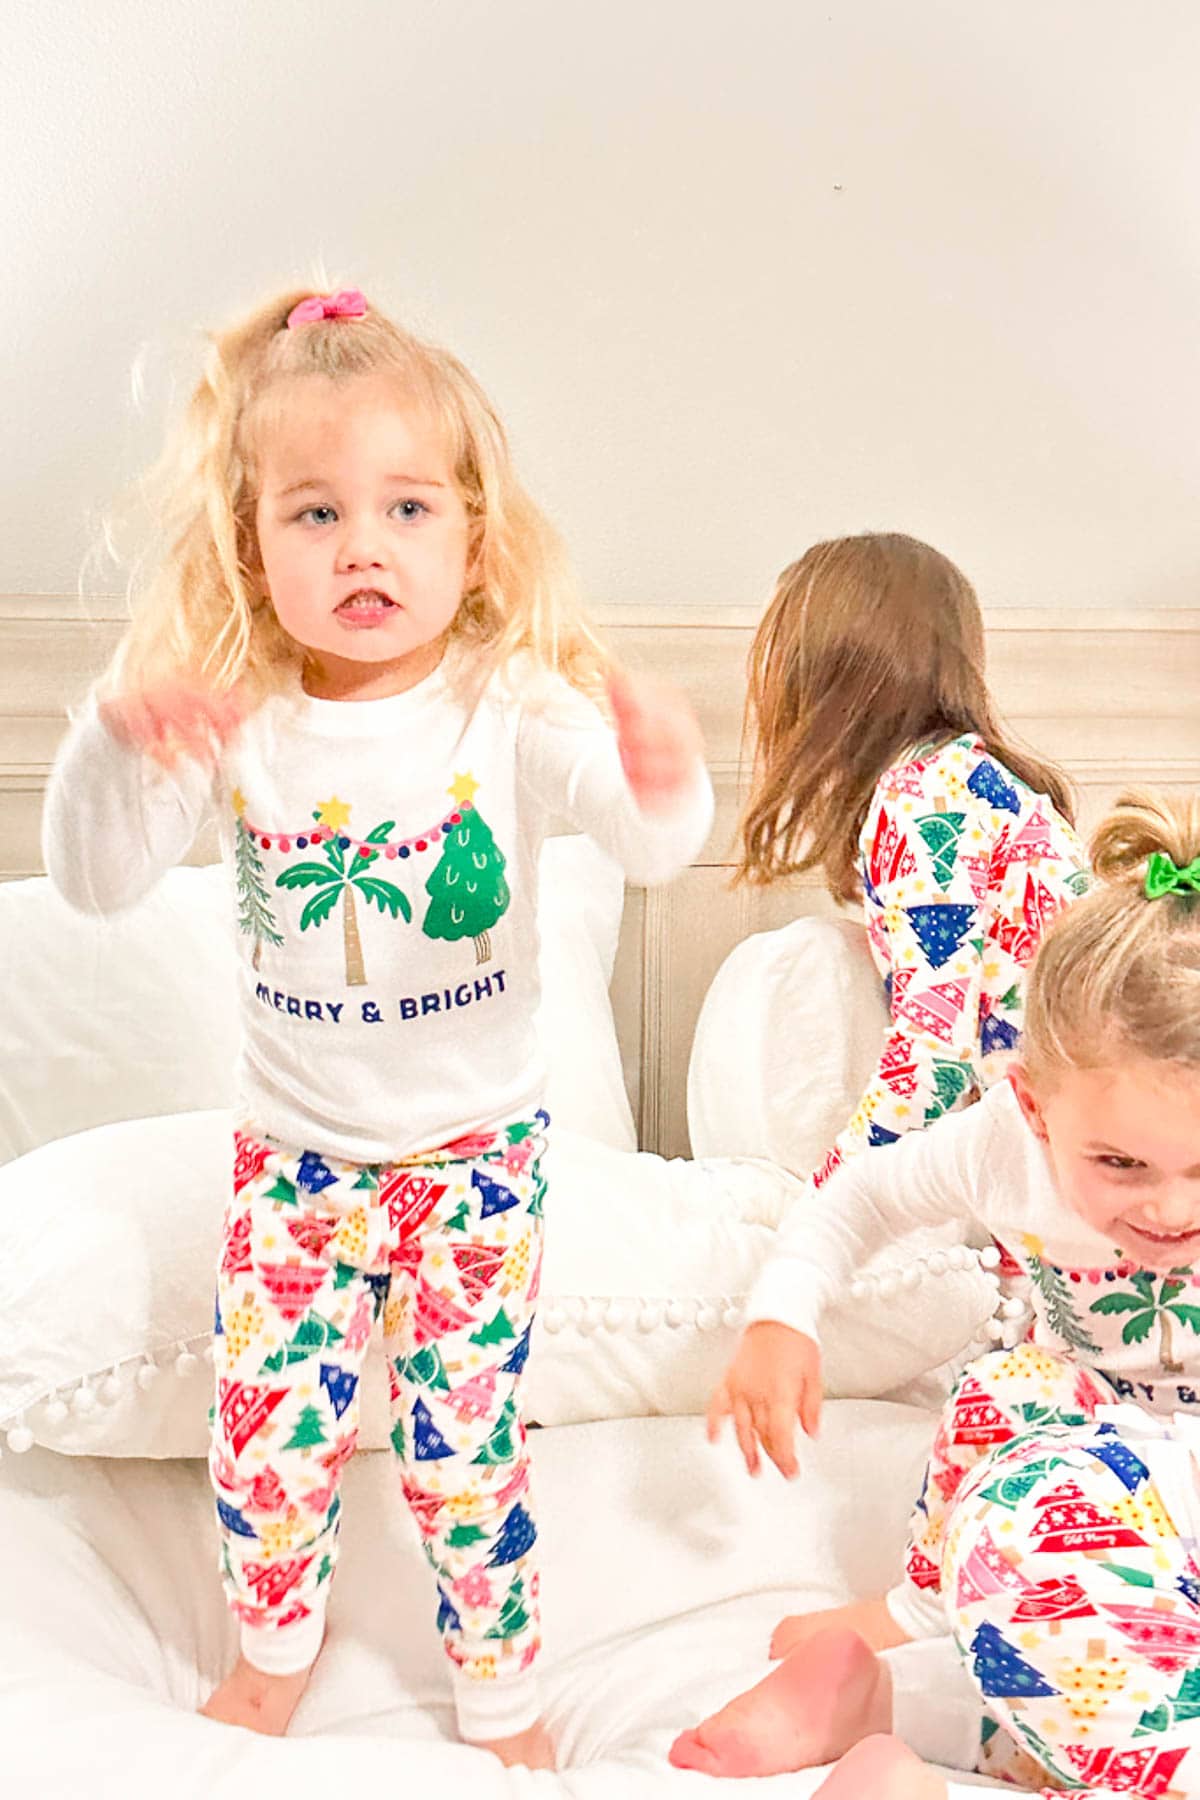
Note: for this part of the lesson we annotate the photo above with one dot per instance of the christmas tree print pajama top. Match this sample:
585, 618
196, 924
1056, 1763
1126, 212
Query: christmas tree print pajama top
963, 866
1055, 1536
383, 858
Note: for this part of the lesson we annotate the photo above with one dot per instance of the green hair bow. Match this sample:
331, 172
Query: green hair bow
1163, 877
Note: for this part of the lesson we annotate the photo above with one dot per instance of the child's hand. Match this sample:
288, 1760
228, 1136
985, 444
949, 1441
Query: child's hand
657, 735
774, 1378
176, 716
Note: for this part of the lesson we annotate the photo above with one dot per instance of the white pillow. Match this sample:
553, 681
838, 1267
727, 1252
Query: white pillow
110, 1251
786, 1041
135, 1015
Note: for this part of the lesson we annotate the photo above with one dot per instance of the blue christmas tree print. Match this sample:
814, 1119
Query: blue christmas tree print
997, 1034
233, 1520
987, 783
878, 1135
516, 1539
1001, 1673
340, 1385
313, 1174
379, 1286
518, 1356
218, 1321
1129, 1469
940, 930
496, 1197
447, 1619
428, 1443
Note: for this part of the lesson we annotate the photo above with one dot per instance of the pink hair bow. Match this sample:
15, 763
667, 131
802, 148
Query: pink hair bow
347, 303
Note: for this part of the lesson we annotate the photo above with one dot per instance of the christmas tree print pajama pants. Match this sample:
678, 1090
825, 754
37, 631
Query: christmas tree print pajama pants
1072, 1598
447, 1248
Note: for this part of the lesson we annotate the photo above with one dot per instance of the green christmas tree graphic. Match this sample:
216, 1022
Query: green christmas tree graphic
255, 917
339, 881
1181, 1708
467, 890
309, 1431
1060, 1313
1148, 1309
513, 1615
941, 832
500, 1447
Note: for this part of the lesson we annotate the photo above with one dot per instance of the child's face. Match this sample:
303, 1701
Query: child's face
363, 535
1124, 1145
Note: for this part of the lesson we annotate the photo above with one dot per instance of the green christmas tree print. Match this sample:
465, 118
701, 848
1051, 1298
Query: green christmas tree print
311, 1335
500, 1447
467, 890
496, 1331
255, 917
339, 881
941, 832
462, 1537
1178, 1710
950, 1081
1147, 1309
513, 1616
1060, 1313
309, 1431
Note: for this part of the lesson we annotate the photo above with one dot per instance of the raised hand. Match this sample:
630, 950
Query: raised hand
179, 716
658, 737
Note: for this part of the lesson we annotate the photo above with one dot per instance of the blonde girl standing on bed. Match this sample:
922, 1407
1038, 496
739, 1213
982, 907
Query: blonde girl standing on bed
362, 651
1052, 1580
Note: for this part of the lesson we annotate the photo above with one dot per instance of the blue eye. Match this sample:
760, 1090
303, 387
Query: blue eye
410, 509
310, 512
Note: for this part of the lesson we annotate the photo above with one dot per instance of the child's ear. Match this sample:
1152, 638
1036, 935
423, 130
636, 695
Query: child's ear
1027, 1100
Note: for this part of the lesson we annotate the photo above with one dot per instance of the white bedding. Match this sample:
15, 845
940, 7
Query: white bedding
665, 1568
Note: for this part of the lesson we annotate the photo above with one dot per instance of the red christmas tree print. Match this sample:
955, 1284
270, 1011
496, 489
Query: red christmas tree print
1033, 840
249, 1160
267, 1493
292, 1287
271, 1581
1070, 1522
920, 1571
897, 1067
1168, 1641
236, 1259
312, 1235
988, 1571
889, 858
410, 1197
425, 1508
1147, 1773
478, 1266
244, 1409
976, 1418
979, 871
1050, 1601
436, 1315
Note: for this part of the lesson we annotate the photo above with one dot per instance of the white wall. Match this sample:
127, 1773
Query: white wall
739, 275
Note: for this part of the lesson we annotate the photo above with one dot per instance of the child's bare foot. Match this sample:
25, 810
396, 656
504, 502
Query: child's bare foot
259, 1702
829, 1693
533, 1749
886, 1770
870, 1619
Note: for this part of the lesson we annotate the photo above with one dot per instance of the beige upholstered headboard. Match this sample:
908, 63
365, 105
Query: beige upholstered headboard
1112, 696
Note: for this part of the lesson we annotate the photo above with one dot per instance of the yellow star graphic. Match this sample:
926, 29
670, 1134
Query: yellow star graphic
333, 812
463, 788
239, 801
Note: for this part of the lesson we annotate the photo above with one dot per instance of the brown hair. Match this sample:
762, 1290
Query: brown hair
1118, 974
198, 599
871, 645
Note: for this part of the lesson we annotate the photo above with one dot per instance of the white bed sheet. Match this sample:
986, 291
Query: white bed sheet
665, 1568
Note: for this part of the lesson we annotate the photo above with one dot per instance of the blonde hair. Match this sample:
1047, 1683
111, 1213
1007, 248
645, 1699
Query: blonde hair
1118, 974
871, 645
199, 603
